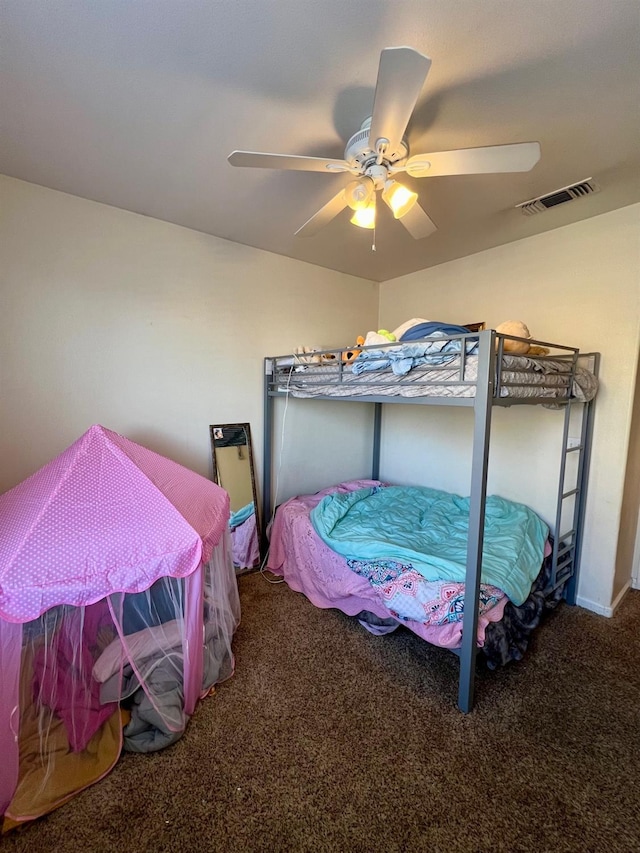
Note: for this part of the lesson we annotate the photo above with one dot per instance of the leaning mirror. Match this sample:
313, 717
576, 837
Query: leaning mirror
233, 469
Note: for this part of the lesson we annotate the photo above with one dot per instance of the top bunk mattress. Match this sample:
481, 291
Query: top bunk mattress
398, 375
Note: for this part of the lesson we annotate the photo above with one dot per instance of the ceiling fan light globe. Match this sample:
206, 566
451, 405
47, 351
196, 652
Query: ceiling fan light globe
365, 217
399, 198
358, 194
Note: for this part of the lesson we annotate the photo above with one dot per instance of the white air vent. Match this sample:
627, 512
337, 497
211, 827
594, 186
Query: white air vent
544, 202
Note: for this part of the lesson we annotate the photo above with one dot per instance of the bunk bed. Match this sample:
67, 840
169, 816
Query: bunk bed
474, 370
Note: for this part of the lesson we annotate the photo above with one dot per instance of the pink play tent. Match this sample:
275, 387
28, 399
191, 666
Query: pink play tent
118, 603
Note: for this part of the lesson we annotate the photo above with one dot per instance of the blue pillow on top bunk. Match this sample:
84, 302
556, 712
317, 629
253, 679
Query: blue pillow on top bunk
423, 330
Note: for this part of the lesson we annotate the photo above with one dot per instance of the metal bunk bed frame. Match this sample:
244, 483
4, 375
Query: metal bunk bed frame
488, 384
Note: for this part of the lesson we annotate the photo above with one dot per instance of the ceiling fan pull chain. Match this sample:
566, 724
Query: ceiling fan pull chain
373, 242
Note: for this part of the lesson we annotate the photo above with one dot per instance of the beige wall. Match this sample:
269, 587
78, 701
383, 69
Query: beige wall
578, 285
157, 331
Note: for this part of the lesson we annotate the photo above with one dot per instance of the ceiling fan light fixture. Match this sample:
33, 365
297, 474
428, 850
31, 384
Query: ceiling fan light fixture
398, 198
358, 193
380, 150
365, 217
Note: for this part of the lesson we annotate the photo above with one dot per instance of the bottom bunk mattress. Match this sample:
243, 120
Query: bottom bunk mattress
383, 597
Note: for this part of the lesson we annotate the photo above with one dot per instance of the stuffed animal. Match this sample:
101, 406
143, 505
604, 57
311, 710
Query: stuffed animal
306, 355
519, 330
381, 337
385, 334
534, 349
350, 354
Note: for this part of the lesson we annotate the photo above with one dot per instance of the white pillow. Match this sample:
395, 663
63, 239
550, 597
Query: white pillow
399, 332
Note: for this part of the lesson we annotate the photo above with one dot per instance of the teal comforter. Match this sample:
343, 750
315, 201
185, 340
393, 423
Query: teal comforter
428, 529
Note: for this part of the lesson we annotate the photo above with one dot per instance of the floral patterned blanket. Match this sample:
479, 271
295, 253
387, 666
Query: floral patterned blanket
409, 597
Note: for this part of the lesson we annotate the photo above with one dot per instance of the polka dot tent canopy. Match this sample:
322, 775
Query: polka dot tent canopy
106, 515
118, 604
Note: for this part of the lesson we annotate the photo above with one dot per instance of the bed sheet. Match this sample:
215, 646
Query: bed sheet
309, 566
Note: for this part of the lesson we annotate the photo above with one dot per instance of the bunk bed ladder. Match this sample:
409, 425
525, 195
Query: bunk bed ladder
567, 544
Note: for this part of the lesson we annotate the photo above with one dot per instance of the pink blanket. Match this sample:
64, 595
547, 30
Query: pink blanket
299, 555
244, 543
62, 674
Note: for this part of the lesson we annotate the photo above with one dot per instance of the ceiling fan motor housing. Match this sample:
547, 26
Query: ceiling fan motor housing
360, 155
378, 174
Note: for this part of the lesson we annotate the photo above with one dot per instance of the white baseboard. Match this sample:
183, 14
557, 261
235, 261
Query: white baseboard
602, 609
635, 583
594, 606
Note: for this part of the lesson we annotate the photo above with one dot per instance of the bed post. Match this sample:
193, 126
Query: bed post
266, 455
377, 424
482, 409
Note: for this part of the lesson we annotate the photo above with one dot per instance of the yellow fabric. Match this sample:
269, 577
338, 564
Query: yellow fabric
50, 773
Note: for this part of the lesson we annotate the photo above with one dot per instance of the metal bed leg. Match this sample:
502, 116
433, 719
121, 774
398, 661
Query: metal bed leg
266, 455
479, 467
377, 428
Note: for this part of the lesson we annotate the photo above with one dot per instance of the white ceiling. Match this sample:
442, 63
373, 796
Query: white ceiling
137, 103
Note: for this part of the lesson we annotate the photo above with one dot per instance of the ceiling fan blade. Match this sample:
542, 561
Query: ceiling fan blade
401, 75
287, 161
417, 223
519, 157
323, 216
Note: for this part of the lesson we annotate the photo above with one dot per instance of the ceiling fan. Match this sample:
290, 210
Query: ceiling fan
379, 151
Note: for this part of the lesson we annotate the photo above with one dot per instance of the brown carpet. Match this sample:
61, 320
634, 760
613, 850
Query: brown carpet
330, 739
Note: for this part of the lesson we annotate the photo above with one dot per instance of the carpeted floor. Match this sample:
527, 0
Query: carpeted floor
330, 739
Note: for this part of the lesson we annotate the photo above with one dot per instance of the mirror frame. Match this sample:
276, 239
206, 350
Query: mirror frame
254, 488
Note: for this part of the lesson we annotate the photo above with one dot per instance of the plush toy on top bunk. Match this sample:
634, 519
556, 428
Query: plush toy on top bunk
353, 352
518, 329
